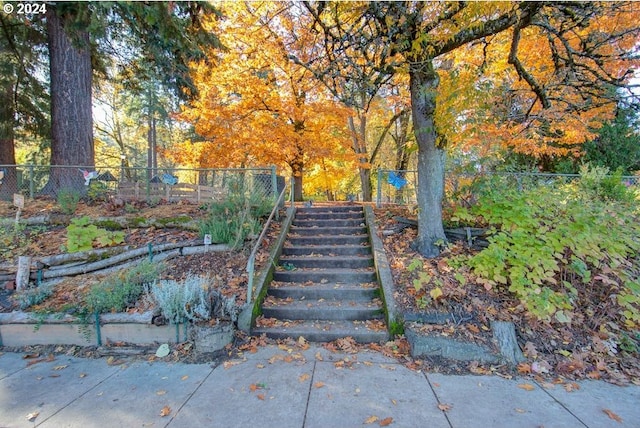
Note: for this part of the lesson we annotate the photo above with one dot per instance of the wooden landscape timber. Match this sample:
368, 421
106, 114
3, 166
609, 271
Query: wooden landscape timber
123, 257
473, 236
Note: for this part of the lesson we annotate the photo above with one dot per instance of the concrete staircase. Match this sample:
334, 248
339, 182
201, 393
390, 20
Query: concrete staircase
325, 286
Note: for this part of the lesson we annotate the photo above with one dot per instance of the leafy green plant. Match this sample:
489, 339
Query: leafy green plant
423, 280
597, 183
547, 240
186, 300
33, 296
68, 200
237, 217
121, 291
81, 235
97, 191
12, 239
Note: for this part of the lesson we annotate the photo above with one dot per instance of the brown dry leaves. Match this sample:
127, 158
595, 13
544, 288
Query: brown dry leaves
381, 422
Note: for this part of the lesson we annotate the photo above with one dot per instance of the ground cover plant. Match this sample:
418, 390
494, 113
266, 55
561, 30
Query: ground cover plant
547, 240
562, 263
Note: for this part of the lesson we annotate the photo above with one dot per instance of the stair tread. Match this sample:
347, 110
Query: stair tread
356, 257
332, 291
323, 331
328, 304
330, 284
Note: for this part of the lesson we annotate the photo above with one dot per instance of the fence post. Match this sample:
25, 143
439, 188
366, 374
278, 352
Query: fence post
379, 192
274, 182
31, 182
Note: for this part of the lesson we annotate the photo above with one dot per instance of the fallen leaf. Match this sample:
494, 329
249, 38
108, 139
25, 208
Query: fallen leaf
318, 384
524, 368
370, 420
229, 364
260, 366
570, 387
444, 407
260, 396
386, 422
318, 356
162, 351
166, 410
32, 416
520, 410
30, 356
185, 377
60, 367
304, 377
612, 415
541, 366
161, 392
253, 387
82, 375
526, 386
395, 403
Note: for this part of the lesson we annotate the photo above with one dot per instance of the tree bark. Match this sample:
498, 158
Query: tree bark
9, 183
71, 113
431, 159
359, 144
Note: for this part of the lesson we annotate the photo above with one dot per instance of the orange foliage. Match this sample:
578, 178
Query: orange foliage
256, 107
483, 103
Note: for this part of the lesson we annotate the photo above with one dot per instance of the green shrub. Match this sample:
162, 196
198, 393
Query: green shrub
187, 300
33, 296
237, 217
548, 239
97, 191
121, 291
81, 235
597, 183
68, 200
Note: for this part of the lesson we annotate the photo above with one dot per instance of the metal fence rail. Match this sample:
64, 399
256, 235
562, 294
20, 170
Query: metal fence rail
143, 183
400, 186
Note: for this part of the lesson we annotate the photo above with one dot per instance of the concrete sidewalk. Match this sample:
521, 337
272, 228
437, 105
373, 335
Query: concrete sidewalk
283, 388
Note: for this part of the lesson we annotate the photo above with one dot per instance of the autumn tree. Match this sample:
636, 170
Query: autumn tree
255, 106
562, 57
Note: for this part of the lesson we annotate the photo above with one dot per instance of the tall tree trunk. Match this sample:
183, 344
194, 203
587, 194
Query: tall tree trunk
359, 144
402, 154
431, 160
71, 114
9, 182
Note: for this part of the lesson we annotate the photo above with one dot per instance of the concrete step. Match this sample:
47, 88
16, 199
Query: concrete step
326, 250
313, 231
329, 216
328, 240
327, 262
330, 208
326, 275
328, 310
328, 223
326, 331
328, 291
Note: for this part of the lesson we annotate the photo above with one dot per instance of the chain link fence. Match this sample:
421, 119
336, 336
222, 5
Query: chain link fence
139, 183
400, 186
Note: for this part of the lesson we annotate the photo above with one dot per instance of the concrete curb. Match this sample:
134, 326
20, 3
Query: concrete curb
24, 329
385, 278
